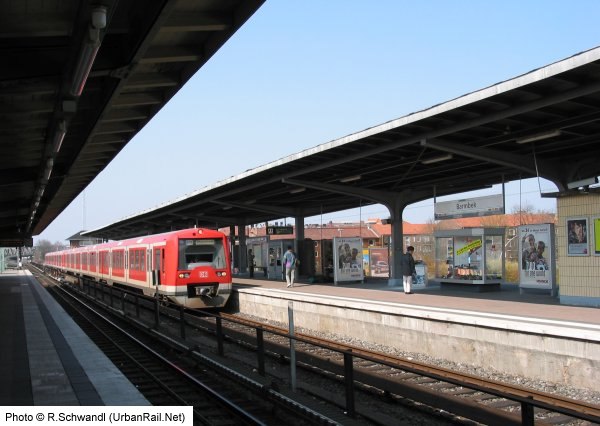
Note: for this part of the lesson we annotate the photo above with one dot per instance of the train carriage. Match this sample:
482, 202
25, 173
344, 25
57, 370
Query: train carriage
189, 267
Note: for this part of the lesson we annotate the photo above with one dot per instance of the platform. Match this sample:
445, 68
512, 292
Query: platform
46, 359
529, 334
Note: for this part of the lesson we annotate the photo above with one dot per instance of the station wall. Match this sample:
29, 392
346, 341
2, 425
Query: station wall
578, 272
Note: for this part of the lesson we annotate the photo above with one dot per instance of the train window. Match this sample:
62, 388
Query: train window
118, 259
139, 259
134, 259
201, 252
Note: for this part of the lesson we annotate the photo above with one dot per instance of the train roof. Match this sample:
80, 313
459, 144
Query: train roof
145, 239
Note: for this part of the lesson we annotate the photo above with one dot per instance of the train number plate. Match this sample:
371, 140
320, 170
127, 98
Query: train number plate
203, 274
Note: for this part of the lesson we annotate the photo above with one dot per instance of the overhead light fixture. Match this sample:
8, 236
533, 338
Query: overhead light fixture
227, 208
59, 136
297, 190
88, 51
538, 137
583, 183
48, 171
350, 178
437, 159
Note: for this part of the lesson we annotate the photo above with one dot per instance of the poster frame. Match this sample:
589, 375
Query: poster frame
595, 250
578, 249
351, 272
546, 231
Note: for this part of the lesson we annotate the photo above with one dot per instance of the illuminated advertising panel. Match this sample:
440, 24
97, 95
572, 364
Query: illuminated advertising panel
348, 263
536, 256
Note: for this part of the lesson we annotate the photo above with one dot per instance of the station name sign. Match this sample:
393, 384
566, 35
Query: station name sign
470, 207
280, 230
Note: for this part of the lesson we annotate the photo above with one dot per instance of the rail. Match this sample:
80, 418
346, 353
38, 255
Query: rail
528, 398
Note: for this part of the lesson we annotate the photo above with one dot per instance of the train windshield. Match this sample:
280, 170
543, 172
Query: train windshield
201, 252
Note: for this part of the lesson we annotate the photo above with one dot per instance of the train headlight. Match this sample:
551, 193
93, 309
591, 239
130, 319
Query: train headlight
221, 274
184, 275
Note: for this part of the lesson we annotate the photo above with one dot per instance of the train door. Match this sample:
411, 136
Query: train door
102, 264
148, 268
158, 267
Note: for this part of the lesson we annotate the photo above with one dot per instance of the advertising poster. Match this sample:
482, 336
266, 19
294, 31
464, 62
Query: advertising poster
365, 259
348, 262
577, 236
420, 280
596, 223
379, 262
536, 262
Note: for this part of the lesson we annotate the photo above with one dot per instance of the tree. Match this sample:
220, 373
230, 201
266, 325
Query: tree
526, 215
44, 247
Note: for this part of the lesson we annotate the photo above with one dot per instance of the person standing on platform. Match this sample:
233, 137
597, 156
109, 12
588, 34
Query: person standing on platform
251, 263
407, 266
289, 261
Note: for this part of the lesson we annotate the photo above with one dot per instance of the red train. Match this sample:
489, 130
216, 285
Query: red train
190, 267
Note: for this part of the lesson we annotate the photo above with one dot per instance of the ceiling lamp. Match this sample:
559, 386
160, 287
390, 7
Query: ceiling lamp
48, 170
59, 136
350, 179
88, 51
538, 137
437, 159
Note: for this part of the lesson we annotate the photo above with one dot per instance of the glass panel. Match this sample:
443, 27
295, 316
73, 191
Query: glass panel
204, 252
493, 257
445, 257
157, 260
258, 256
467, 258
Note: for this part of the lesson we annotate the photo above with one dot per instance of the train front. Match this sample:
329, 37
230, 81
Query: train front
203, 270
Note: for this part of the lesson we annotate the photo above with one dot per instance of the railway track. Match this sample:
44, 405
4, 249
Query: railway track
468, 396
168, 376
385, 385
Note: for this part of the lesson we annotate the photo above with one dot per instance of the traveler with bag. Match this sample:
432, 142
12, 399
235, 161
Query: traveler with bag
289, 262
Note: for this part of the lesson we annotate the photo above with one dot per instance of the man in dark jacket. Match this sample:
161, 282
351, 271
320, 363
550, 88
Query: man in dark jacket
407, 265
251, 263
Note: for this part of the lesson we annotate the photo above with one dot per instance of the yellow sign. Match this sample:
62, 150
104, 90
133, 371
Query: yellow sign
474, 245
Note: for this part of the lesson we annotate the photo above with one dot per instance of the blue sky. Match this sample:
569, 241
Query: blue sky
302, 73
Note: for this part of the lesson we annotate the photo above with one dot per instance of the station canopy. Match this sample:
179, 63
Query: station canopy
79, 79
545, 123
